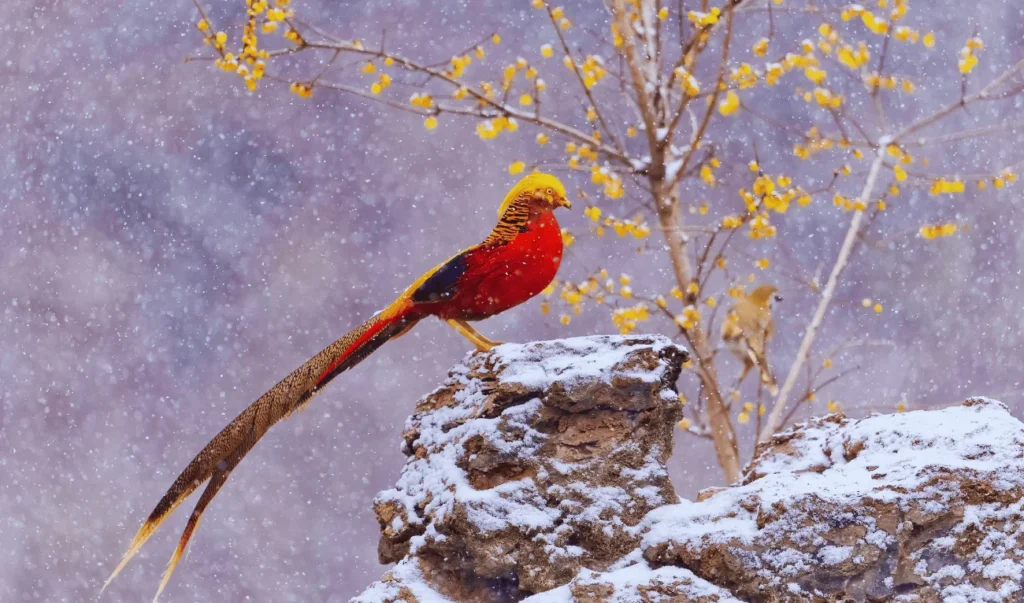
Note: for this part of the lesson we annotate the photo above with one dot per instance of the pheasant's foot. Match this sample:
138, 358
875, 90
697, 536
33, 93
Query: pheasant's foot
482, 343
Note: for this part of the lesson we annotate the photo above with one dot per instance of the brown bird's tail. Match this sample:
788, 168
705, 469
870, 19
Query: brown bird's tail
223, 453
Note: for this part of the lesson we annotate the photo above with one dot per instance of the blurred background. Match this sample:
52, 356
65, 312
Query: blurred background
171, 245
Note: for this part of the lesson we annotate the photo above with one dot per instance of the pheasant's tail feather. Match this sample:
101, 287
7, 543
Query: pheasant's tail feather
223, 453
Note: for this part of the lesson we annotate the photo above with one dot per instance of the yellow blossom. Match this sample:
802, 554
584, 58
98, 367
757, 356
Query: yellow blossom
942, 185
430, 123
932, 231
302, 90
496, 39
704, 19
516, 167
761, 47
730, 104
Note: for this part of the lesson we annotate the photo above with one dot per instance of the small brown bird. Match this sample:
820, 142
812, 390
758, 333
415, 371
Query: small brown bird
747, 329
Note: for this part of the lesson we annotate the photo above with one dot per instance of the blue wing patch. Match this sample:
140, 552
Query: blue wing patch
442, 284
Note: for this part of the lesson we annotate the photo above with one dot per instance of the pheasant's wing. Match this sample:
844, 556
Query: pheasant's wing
223, 453
443, 282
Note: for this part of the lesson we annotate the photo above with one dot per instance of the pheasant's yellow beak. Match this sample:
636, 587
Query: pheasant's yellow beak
563, 202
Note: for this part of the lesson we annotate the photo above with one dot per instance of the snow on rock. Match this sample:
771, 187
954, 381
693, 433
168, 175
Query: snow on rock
529, 463
536, 473
919, 506
638, 583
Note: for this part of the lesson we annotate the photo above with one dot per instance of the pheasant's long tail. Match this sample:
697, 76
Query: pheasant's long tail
223, 453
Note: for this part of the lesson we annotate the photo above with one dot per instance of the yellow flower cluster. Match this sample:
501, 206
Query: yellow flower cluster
689, 84
707, 173
968, 57
847, 204
766, 195
761, 227
593, 70
635, 227
689, 318
852, 57
704, 19
729, 104
887, 82
250, 64
744, 76
611, 181
824, 97
422, 101
626, 319
732, 222
1000, 180
383, 81
943, 185
906, 34
490, 128
459, 64
932, 231
813, 143
301, 89
760, 47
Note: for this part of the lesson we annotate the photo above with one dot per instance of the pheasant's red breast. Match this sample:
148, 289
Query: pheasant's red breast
502, 276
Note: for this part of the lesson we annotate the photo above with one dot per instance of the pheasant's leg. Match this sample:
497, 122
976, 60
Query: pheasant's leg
481, 342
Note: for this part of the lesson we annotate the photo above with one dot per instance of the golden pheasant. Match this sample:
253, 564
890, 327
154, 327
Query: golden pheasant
514, 263
747, 329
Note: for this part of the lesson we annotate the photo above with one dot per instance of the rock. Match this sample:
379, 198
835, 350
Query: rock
530, 463
636, 582
536, 473
923, 506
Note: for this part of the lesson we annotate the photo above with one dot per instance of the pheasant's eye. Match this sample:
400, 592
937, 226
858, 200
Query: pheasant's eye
551, 192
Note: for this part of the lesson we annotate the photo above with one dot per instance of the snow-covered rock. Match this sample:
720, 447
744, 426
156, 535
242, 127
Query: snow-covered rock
536, 473
918, 506
532, 462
